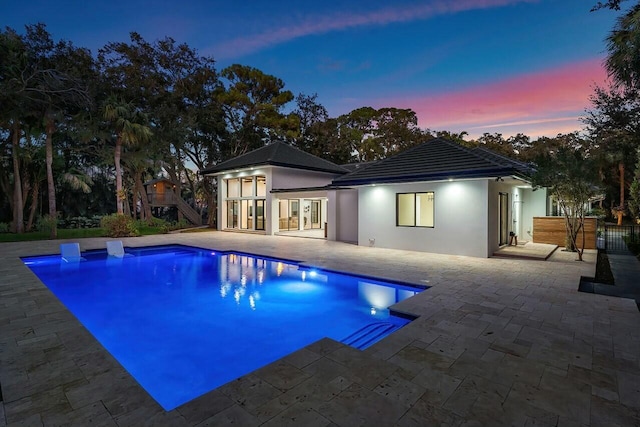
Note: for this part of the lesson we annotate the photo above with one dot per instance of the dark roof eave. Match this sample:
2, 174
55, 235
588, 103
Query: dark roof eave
488, 174
214, 170
304, 189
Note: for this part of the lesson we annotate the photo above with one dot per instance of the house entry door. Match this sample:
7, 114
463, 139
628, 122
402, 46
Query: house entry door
503, 213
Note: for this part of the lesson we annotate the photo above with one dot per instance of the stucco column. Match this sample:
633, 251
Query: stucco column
221, 214
331, 215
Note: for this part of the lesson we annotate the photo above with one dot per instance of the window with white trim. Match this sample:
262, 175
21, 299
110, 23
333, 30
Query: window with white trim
415, 209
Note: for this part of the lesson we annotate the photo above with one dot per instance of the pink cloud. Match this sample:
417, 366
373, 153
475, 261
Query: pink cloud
325, 24
554, 98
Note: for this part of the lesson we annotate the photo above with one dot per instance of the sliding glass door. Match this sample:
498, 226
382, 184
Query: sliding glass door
232, 213
260, 214
289, 214
316, 213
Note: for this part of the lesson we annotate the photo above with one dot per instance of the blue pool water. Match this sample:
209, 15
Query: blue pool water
185, 320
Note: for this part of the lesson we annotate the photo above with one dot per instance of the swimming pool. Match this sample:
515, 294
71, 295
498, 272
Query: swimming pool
183, 320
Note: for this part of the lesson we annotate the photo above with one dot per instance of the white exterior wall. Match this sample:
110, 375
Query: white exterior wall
460, 219
332, 214
284, 178
534, 204
221, 211
342, 219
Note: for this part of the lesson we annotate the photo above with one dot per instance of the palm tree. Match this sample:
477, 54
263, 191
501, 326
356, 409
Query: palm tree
623, 61
139, 163
60, 93
614, 124
128, 125
13, 104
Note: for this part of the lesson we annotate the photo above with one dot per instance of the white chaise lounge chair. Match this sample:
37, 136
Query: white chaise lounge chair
115, 249
70, 252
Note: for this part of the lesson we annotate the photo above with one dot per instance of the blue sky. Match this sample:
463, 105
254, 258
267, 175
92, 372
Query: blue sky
507, 66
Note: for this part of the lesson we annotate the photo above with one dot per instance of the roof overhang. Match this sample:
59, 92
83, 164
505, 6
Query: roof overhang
497, 174
300, 190
251, 168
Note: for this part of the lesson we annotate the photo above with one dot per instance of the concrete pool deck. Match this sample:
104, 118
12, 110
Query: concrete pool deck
498, 342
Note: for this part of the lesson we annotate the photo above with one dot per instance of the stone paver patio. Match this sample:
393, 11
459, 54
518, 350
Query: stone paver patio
498, 342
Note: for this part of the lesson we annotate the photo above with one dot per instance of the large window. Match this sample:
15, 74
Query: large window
414, 209
245, 207
261, 186
247, 187
233, 187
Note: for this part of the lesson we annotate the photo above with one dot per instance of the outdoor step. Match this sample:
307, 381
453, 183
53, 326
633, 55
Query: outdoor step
369, 334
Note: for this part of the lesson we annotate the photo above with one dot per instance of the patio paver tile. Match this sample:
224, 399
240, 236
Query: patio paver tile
300, 414
314, 390
204, 407
358, 406
249, 391
233, 415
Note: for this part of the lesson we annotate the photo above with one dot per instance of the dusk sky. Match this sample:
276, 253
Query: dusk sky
506, 66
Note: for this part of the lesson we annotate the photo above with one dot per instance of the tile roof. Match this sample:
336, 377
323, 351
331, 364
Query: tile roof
434, 160
277, 154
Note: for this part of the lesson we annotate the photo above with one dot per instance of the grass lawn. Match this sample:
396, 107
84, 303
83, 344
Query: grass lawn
74, 233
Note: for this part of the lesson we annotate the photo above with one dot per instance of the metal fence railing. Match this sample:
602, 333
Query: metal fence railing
613, 238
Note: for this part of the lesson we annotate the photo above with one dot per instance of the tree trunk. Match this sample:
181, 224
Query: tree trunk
212, 211
51, 188
18, 214
146, 207
135, 197
620, 211
35, 196
125, 204
581, 250
119, 190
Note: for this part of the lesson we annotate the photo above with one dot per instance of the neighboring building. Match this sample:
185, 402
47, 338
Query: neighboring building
161, 193
436, 197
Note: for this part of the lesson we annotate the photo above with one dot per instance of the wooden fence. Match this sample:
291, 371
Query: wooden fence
552, 230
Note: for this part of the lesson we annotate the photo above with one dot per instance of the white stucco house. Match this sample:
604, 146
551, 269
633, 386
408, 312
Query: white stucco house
436, 197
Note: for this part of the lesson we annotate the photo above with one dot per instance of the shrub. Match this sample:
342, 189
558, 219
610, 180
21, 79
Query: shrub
80, 222
95, 221
119, 226
4, 227
155, 222
46, 223
182, 223
597, 212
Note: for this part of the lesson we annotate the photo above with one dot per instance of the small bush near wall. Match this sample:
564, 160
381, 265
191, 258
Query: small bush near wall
119, 226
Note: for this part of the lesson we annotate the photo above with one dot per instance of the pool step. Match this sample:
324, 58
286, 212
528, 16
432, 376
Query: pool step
368, 335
